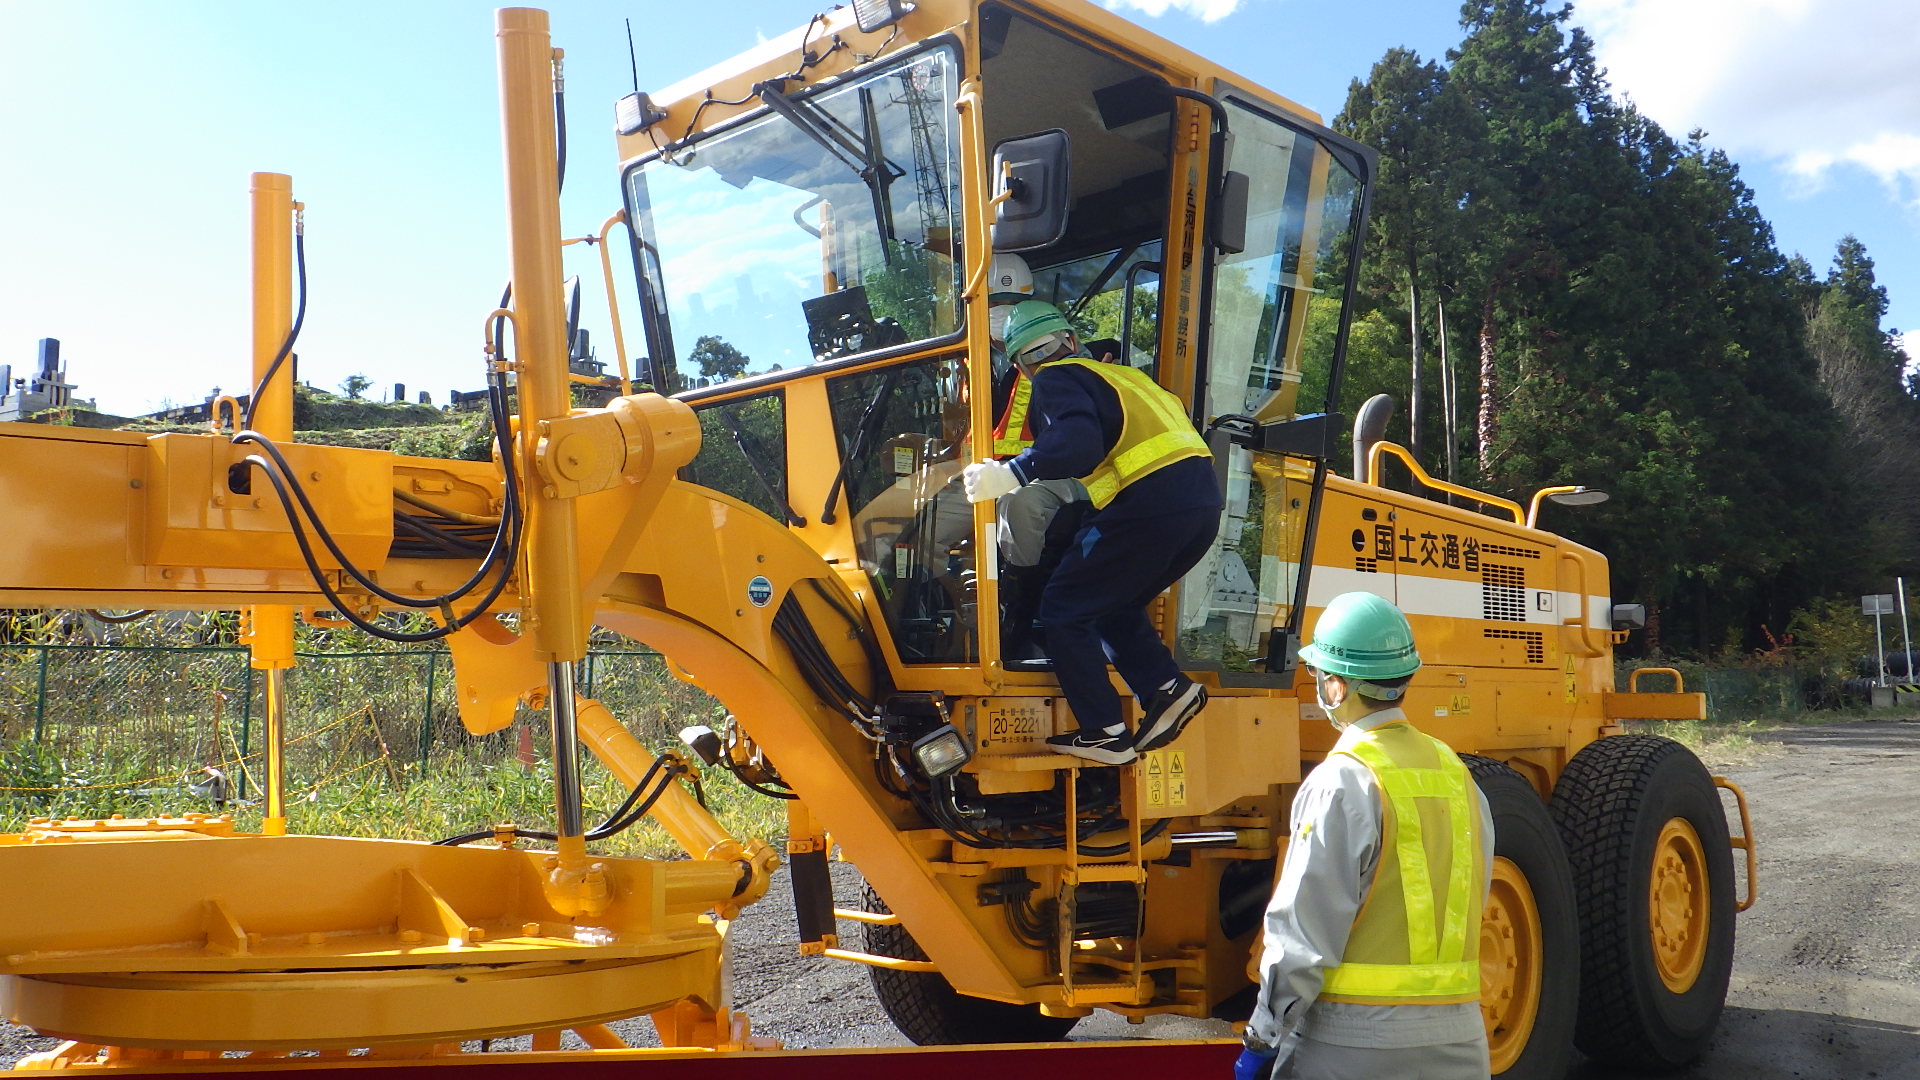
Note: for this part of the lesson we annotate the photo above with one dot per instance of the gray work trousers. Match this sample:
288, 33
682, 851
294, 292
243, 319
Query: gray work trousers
1316, 1060
1025, 515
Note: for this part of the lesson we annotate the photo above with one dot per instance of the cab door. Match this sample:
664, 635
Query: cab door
1269, 374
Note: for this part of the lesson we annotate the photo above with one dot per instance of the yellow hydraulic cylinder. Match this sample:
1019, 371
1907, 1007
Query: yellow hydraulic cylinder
552, 573
268, 627
678, 812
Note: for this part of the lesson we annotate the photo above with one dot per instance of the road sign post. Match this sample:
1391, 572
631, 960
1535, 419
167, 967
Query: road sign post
1876, 605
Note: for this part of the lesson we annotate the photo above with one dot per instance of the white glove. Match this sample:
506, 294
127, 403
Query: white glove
987, 480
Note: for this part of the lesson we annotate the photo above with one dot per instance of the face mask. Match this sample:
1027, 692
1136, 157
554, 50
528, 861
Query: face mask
1320, 698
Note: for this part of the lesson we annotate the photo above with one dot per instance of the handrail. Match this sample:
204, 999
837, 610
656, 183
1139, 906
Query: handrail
1633, 678
1579, 621
871, 918
891, 963
613, 299
1743, 842
1383, 447
225, 404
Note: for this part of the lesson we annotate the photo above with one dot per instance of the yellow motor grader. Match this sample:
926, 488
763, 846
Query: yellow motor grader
797, 542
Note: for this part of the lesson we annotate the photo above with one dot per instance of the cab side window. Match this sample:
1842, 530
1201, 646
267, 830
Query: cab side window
743, 451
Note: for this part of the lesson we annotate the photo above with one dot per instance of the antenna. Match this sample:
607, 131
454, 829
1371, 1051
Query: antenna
633, 61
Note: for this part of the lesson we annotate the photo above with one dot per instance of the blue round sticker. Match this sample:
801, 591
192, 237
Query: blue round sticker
759, 590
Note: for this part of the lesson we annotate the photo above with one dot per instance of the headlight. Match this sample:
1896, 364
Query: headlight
702, 741
874, 15
941, 751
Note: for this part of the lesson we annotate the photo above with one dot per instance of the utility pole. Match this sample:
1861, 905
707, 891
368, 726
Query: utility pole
1906, 643
1414, 411
1450, 401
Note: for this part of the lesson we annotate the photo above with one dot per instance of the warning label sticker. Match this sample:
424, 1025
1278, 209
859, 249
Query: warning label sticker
1166, 773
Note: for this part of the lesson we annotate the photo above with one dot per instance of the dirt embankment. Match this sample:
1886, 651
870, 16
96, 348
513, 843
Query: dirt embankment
1826, 977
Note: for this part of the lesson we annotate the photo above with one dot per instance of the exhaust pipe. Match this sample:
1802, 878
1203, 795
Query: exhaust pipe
1369, 427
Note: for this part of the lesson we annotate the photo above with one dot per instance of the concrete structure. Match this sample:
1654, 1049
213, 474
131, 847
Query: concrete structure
47, 388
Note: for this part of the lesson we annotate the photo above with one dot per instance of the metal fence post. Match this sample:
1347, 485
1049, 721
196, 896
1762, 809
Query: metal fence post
40, 698
426, 714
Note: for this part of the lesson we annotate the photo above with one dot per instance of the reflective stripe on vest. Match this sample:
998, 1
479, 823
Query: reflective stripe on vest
1438, 965
1154, 432
1015, 420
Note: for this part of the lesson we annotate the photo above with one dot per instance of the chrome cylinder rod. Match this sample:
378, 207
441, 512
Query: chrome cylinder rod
566, 750
275, 697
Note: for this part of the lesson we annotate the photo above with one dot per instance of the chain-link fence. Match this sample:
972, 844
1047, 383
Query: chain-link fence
86, 728
1734, 692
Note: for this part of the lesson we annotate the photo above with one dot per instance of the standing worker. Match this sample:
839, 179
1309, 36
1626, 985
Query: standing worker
1370, 965
1156, 508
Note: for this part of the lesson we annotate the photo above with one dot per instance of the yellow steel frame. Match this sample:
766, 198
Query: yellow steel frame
281, 942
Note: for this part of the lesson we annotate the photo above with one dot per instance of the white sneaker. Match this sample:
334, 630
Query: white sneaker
1094, 746
1168, 713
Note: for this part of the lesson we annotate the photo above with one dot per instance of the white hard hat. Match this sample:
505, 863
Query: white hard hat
1009, 276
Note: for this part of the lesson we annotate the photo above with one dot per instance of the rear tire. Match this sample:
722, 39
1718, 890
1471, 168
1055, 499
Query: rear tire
1653, 870
927, 1009
1529, 933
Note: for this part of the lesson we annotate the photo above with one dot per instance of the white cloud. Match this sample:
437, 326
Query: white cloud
1812, 86
1204, 10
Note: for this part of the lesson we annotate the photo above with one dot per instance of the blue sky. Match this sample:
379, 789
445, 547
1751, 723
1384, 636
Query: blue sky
132, 128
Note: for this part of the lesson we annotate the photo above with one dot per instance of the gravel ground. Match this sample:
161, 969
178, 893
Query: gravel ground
1826, 976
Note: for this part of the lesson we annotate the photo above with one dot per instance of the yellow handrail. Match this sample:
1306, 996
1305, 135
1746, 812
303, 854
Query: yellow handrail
1383, 448
1578, 621
1743, 842
1633, 678
613, 300
891, 963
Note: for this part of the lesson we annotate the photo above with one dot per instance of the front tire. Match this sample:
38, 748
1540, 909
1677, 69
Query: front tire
1653, 869
1529, 933
927, 1009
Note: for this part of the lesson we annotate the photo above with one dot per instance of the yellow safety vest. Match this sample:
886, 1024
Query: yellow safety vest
1013, 435
1154, 431
1405, 947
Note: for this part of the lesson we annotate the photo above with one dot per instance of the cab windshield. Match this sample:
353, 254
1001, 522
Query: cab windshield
824, 228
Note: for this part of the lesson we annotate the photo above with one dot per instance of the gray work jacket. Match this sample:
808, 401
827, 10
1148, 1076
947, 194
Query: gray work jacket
1331, 857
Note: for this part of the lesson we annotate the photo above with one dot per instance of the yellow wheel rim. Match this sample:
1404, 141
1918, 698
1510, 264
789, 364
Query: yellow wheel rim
1677, 905
1510, 954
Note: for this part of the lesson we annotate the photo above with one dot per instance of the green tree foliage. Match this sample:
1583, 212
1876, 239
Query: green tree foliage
1100, 318
1864, 372
743, 452
912, 286
355, 385
717, 359
1616, 314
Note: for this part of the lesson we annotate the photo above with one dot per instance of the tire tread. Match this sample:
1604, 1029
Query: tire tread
1602, 786
929, 1011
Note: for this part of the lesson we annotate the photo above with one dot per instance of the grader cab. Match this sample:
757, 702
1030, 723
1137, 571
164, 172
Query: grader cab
773, 502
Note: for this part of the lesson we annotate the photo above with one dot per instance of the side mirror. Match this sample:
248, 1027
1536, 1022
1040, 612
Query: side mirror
1312, 436
1228, 214
572, 286
1030, 191
1629, 616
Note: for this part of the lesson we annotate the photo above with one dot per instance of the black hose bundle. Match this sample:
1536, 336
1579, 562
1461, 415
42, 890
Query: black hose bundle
636, 805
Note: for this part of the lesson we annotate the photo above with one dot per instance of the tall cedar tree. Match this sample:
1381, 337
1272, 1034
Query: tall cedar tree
1864, 371
1625, 311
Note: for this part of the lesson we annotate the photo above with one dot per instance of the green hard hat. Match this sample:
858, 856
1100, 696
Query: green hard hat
1362, 636
1029, 321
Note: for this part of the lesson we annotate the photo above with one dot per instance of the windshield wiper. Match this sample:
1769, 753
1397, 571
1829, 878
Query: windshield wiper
860, 436
843, 149
864, 161
740, 439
